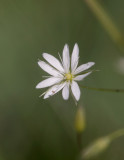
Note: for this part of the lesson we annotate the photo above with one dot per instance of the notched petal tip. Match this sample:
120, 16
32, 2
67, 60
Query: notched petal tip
76, 45
43, 54
66, 49
37, 86
39, 62
92, 63
76, 49
66, 45
46, 97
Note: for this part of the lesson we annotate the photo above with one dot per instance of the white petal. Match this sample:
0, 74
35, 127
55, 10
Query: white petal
75, 90
81, 77
65, 92
53, 61
66, 58
53, 90
84, 67
47, 68
74, 58
48, 82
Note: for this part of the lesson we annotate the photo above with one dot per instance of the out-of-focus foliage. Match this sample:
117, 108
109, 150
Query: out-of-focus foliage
96, 148
100, 145
33, 128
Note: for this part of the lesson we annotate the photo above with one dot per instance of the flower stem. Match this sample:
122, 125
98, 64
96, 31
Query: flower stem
79, 141
78, 134
101, 144
103, 89
107, 23
116, 134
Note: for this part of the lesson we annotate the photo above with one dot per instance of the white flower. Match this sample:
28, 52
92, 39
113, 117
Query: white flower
63, 75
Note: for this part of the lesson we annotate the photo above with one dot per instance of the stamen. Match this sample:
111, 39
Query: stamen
60, 58
69, 76
46, 76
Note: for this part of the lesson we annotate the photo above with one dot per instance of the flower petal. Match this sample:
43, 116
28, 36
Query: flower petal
48, 82
53, 61
47, 68
81, 77
75, 90
74, 58
66, 58
84, 67
54, 89
65, 92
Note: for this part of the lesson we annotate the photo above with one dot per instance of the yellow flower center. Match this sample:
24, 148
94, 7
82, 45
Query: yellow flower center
69, 76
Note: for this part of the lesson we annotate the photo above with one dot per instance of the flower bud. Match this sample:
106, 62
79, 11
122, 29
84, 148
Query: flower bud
80, 120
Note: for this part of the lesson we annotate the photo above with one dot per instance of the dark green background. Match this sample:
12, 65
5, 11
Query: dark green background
33, 128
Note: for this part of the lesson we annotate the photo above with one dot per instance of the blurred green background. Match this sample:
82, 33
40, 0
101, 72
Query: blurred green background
33, 128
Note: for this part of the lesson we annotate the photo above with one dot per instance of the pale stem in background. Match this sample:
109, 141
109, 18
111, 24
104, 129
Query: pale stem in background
107, 23
117, 134
100, 145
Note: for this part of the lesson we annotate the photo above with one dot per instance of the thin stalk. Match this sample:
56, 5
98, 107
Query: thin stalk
117, 134
79, 141
104, 89
78, 135
106, 22
79, 138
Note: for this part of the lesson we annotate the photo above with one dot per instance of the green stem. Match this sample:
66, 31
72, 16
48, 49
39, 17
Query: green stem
103, 89
78, 134
79, 141
106, 22
116, 134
